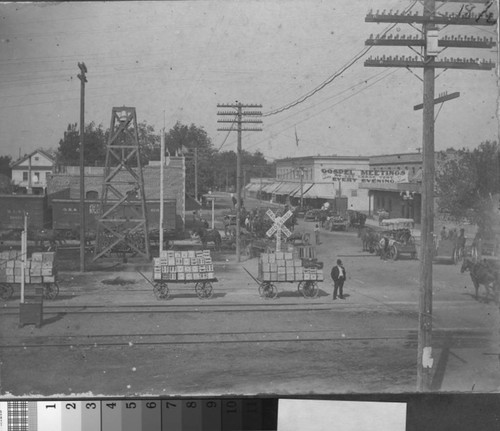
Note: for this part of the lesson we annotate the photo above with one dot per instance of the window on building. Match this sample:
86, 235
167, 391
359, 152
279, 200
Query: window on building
91, 194
37, 158
389, 204
36, 177
25, 176
47, 175
354, 193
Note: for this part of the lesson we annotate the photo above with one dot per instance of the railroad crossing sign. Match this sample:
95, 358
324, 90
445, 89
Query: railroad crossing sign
278, 227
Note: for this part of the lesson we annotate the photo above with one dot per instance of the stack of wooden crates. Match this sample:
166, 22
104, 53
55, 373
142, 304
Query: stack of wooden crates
186, 265
40, 268
286, 266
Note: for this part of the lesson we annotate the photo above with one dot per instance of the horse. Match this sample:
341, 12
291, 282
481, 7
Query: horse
207, 235
482, 273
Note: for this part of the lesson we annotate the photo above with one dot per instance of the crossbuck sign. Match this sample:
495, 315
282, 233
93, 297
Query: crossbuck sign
278, 227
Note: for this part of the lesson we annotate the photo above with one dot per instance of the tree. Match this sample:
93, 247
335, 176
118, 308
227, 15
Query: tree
95, 139
6, 186
149, 143
193, 142
467, 182
5, 162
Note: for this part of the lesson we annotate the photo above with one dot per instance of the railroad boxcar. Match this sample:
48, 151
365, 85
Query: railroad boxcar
66, 214
13, 207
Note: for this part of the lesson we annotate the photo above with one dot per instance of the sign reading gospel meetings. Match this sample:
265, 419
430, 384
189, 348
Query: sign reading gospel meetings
365, 176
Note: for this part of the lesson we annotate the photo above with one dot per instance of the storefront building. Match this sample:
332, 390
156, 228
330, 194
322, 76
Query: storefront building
390, 182
400, 198
314, 180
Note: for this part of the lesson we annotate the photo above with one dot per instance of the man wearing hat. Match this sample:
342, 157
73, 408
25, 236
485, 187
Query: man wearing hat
339, 275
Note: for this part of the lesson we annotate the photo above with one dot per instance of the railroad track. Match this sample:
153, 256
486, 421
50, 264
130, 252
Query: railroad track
448, 338
204, 307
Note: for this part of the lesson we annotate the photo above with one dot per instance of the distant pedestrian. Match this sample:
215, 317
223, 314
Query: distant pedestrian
444, 233
316, 233
384, 248
339, 275
235, 201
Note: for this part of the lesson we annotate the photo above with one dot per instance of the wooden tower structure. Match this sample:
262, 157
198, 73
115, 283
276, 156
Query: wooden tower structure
122, 225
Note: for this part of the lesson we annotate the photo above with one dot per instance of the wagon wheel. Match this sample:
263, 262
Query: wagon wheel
203, 289
393, 252
309, 289
6, 291
161, 290
455, 257
268, 290
50, 290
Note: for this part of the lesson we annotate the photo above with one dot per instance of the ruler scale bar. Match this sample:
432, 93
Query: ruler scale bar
153, 414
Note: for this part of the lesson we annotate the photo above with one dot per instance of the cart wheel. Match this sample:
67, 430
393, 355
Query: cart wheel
203, 289
309, 289
455, 256
50, 290
268, 290
161, 290
6, 291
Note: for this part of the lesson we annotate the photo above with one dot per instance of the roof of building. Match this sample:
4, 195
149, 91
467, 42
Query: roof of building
396, 158
331, 157
44, 153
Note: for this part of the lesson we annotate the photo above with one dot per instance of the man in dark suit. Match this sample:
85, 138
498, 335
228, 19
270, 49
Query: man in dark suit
339, 275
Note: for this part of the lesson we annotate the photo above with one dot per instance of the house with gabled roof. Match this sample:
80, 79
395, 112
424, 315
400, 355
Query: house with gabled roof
32, 171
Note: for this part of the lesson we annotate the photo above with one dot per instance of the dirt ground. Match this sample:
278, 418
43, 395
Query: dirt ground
106, 333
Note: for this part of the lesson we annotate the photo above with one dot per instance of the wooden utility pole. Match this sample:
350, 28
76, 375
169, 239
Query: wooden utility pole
424, 355
83, 80
432, 47
240, 119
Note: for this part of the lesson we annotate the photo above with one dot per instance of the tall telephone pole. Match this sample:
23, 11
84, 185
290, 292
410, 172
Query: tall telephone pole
83, 80
240, 119
431, 47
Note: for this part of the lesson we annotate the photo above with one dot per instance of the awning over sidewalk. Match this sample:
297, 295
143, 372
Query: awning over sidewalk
321, 190
254, 187
270, 188
305, 188
287, 188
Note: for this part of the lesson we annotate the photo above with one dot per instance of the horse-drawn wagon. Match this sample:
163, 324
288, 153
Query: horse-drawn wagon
336, 222
448, 249
398, 239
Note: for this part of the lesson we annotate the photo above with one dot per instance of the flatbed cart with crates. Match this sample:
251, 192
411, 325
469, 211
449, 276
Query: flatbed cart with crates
40, 270
287, 267
183, 267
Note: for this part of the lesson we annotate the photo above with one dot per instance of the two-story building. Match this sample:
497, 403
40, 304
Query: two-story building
32, 171
398, 198
315, 180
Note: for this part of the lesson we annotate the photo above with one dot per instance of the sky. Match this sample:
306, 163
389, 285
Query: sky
175, 61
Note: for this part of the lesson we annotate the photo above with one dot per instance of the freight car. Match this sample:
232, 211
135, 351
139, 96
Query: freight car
66, 214
63, 215
13, 207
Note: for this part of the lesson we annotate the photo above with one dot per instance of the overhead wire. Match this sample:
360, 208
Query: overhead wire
328, 107
331, 78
